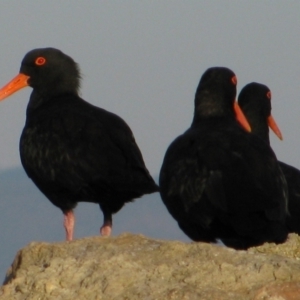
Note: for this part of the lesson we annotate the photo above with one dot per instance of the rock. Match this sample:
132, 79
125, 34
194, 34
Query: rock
135, 267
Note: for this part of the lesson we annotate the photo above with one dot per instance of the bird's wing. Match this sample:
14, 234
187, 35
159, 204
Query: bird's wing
80, 147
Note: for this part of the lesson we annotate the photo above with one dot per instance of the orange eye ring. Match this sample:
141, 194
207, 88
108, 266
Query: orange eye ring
40, 61
269, 95
234, 80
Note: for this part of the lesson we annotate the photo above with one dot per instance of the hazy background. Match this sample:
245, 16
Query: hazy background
141, 60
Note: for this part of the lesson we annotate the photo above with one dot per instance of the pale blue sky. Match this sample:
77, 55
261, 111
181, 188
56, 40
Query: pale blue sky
143, 60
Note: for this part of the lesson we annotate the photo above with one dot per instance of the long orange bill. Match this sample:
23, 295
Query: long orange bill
241, 117
14, 85
272, 124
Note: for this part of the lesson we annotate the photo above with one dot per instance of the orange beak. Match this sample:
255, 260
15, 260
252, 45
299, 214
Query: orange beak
272, 124
14, 85
241, 117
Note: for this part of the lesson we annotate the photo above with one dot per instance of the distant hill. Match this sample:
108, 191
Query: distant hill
26, 216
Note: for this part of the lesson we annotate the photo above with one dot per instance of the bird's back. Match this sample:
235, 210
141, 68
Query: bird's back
292, 176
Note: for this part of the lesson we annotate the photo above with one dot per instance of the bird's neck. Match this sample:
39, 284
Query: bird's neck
212, 105
209, 112
216, 121
258, 125
262, 131
39, 100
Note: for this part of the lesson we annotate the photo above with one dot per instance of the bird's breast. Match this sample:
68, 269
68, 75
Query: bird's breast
41, 151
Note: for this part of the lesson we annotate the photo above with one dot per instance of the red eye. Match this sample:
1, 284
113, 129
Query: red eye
40, 61
234, 80
269, 95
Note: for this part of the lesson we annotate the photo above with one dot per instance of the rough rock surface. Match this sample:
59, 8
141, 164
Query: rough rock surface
136, 267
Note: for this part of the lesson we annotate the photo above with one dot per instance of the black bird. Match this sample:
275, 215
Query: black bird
72, 150
255, 101
219, 181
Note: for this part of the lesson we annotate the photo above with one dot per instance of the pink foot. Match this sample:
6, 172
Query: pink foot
105, 230
69, 221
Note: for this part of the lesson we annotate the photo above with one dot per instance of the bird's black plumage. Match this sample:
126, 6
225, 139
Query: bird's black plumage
72, 150
255, 101
217, 180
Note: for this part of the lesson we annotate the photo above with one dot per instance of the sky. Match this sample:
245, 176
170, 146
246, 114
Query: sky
143, 60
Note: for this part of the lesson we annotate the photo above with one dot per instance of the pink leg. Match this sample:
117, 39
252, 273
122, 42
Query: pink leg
69, 221
106, 228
